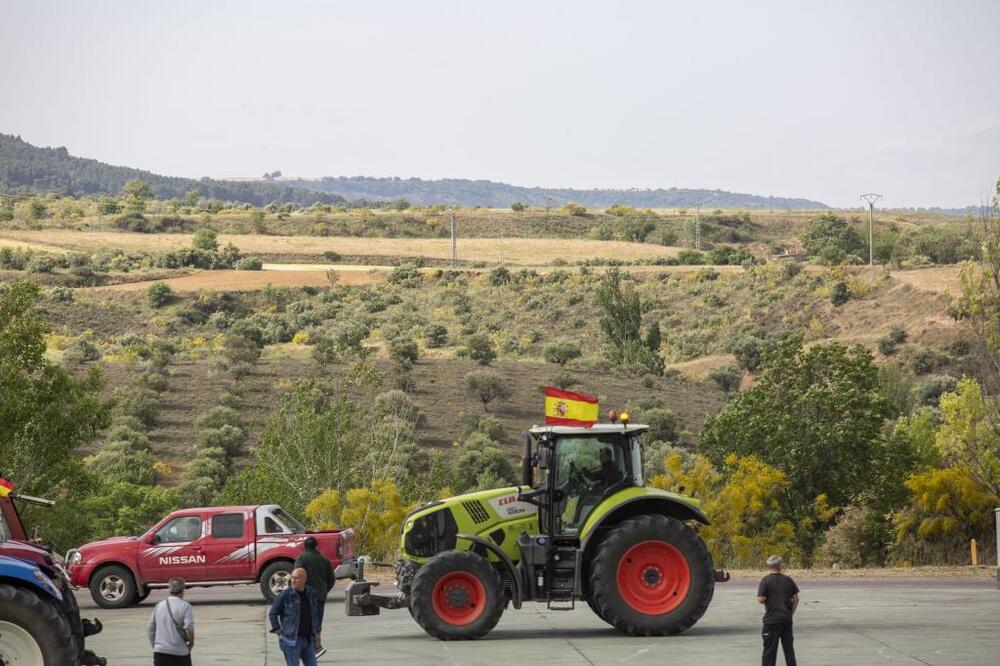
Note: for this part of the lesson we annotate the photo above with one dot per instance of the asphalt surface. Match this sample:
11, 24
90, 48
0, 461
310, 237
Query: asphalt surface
839, 622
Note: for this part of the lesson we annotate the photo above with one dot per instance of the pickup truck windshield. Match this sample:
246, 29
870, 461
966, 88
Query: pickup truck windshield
295, 526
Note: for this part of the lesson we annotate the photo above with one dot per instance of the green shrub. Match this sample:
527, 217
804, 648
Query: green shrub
887, 345
840, 294
479, 348
924, 362
229, 438
142, 403
499, 276
564, 379
575, 209
405, 276
156, 381
81, 350
748, 350
486, 385
518, 207
928, 390
218, 416
205, 239
403, 352
435, 335
690, 258
41, 263
251, 262
135, 222
59, 294
122, 462
727, 379
159, 294
562, 351
662, 425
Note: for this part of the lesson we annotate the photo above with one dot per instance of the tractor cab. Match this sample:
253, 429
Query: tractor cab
578, 468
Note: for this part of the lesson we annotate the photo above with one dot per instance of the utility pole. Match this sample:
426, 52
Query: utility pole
871, 198
501, 241
697, 230
454, 243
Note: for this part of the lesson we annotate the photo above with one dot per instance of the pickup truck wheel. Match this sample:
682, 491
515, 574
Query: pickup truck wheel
32, 630
274, 579
113, 587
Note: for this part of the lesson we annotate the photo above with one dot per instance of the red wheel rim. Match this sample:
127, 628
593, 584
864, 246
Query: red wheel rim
459, 597
653, 577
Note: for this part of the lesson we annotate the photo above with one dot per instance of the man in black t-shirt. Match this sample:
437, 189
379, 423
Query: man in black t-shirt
780, 596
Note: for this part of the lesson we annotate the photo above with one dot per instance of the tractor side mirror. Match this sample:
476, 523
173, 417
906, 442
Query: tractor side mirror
543, 457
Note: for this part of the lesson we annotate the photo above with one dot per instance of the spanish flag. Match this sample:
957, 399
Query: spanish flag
567, 408
6, 487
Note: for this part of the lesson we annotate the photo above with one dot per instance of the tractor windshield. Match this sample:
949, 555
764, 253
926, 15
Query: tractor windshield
585, 467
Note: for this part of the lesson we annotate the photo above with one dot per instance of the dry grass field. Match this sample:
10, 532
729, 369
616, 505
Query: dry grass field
519, 251
251, 280
939, 279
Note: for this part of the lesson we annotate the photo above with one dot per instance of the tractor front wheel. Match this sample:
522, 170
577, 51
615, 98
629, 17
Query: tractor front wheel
457, 595
652, 576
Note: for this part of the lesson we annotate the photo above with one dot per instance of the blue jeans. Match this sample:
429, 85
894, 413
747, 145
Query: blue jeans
303, 650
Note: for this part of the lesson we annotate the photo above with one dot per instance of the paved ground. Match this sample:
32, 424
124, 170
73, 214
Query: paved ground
839, 622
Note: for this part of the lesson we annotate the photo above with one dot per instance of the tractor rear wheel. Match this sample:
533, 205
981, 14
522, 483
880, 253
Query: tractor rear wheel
33, 631
652, 576
457, 595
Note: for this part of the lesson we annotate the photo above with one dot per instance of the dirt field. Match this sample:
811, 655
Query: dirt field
520, 251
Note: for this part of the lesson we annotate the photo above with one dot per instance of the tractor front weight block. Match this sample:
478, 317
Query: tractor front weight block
361, 601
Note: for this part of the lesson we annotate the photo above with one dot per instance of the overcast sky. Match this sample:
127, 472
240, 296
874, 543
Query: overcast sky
824, 100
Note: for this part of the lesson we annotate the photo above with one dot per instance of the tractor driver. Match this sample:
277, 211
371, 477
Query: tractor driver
607, 473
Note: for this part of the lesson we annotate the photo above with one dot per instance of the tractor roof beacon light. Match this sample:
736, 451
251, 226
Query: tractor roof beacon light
624, 418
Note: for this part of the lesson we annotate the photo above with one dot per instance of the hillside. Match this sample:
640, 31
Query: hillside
24, 167
491, 194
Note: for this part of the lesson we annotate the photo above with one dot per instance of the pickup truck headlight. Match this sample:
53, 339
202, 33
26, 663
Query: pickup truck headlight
74, 557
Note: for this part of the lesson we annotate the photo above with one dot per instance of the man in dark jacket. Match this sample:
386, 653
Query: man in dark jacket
780, 596
293, 617
319, 576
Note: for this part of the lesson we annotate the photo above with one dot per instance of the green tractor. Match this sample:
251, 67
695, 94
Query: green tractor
587, 529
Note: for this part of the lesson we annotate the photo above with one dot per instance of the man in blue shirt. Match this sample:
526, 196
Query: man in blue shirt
294, 618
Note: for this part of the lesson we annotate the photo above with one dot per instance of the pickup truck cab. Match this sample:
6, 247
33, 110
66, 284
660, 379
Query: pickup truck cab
231, 545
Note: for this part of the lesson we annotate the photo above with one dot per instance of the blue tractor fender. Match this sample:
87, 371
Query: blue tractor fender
28, 574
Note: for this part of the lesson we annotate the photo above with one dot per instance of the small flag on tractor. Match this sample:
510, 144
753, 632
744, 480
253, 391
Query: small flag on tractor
568, 408
6, 486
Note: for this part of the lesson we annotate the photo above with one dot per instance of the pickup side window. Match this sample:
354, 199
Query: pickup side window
271, 526
227, 526
179, 530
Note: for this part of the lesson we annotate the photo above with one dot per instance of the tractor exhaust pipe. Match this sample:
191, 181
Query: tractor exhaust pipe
527, 471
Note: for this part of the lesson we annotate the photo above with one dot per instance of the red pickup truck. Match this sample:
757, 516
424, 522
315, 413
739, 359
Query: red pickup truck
229, 545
